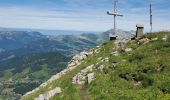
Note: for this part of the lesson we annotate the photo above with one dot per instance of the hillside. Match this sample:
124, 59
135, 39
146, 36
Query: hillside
119, 70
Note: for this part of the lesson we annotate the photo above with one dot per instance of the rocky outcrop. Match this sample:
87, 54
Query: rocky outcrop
83, 76
146, 40
49, 94
75, 61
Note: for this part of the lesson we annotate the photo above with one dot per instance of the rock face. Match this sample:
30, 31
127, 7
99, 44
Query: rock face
76, 60
85, 74
49, 94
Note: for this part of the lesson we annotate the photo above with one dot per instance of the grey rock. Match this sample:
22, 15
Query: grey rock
90, 77
100, 68
128, 49
165, 38
49, 94
80, 78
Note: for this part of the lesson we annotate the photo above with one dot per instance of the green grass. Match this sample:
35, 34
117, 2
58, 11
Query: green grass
148, 65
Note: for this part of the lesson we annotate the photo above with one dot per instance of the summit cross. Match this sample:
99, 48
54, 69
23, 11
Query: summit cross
115, 14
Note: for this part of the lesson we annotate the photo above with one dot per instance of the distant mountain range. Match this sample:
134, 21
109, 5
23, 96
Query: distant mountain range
17, 43
22, 42
49, 32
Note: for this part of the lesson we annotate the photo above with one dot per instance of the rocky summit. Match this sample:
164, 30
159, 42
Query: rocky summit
115, 70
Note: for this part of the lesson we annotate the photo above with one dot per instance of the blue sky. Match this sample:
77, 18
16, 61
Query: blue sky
83, 15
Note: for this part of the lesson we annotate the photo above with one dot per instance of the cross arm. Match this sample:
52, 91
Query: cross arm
114, 14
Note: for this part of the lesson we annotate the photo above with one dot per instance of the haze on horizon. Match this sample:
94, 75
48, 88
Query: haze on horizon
82, 15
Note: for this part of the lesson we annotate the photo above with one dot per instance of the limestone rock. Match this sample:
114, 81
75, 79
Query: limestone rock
100, 68
154, 39
137, 83
90, 77
144, 40
128, 49
115, 53
165, 38
80, 78
49, 94
106, 59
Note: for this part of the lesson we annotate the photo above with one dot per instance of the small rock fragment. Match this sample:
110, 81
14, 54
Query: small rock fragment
128, 49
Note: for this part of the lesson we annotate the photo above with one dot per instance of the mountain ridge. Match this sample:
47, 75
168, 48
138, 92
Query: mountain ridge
116, 68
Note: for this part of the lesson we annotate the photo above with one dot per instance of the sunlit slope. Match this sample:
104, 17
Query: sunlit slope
136, 70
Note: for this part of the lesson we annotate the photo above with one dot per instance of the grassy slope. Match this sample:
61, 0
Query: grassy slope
118, 83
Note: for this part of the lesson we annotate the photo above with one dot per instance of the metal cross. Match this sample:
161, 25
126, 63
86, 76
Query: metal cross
115, 14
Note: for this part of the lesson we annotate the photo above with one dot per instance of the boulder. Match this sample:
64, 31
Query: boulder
80, 78
128, 49
49, 94
90, 77
100, 68
144, 41
165, 38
